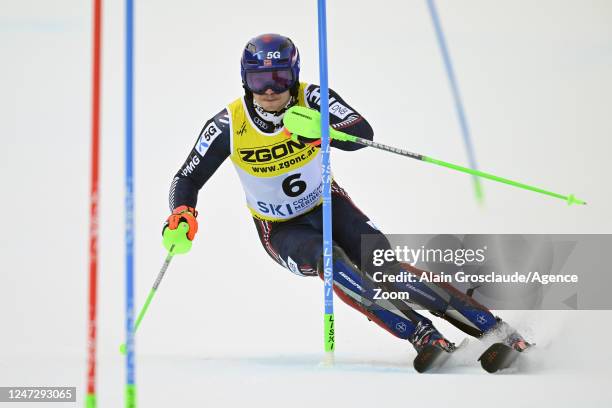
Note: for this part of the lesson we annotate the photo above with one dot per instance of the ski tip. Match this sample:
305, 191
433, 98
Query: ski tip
498, 357
429, 359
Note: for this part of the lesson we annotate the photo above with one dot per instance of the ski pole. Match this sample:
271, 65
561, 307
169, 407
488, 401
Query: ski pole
306, 122
160, 276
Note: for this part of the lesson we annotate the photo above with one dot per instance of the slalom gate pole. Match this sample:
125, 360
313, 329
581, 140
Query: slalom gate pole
90, 397
452, 81
328, 271
130, 363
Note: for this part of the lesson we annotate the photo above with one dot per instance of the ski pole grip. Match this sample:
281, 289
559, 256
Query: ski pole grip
176, 241
306, 122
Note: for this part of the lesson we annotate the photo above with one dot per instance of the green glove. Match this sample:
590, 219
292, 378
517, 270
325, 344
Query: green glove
176, 241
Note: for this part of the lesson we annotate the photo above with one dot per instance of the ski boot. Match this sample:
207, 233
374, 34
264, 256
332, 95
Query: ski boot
425, 334
502, 354
509, 336
517, 342
432, 348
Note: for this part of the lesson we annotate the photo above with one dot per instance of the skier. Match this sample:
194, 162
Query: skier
281, 178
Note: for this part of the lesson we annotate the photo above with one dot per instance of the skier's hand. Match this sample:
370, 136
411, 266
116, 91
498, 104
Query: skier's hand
180, 229
313, 142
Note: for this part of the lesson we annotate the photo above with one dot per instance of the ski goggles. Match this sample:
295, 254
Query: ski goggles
278, 81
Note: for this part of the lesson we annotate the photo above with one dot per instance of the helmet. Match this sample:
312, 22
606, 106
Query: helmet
270, 61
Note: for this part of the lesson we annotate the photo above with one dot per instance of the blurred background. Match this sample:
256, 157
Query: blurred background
535, 80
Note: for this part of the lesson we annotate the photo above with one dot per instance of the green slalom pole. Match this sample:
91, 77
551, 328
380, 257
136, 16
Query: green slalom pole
306, 122
152, 292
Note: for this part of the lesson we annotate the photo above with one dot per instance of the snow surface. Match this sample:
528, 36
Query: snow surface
228, 326
567, 368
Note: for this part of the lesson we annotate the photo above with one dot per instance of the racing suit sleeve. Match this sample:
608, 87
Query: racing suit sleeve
209, 152
341, 117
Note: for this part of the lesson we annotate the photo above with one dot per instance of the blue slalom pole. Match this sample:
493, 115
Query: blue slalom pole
465, 130
130, 386
328, 271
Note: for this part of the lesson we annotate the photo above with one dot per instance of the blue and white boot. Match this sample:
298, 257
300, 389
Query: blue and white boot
509, 336
504, 353
425, 334
432, 348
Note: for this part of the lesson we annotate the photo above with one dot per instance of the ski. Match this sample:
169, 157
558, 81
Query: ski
431, 358
498, 357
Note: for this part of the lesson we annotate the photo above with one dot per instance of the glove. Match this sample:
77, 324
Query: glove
313, 142
180, 229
